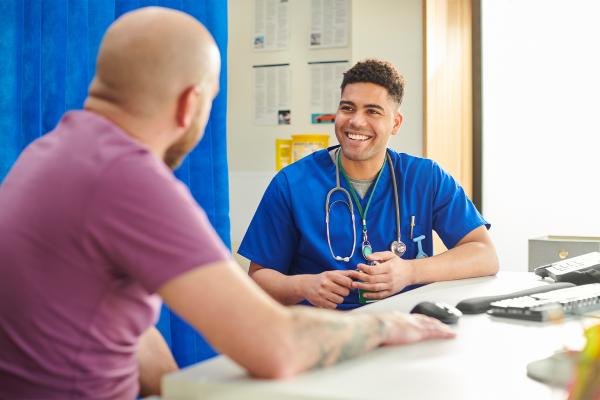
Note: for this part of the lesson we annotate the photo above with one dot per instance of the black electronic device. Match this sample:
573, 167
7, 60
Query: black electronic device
579, 270
553, 305
440, 311
479, 305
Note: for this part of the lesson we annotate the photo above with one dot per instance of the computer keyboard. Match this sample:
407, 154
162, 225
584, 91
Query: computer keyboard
549, 305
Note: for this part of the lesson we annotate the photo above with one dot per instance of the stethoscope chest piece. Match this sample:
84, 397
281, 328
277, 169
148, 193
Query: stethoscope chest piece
398, 247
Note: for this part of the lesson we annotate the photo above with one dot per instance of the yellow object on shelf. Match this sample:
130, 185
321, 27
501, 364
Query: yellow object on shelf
305, 144
586, 385
283, 153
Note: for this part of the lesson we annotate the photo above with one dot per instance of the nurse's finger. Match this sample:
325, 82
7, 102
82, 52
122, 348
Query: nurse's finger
373, 287
377, 295
381, 256
372, 269
334, 298
324, 303
361, 276
342, 279
355, 275
340, 290
345, 272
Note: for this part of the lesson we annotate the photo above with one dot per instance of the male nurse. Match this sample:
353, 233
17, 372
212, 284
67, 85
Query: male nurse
371, 236
95, 230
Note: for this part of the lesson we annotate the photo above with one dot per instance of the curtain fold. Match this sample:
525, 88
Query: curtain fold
48, 50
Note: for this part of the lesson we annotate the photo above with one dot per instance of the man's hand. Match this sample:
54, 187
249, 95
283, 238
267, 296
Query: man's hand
298, 338
388, 276
409, 328
326, 289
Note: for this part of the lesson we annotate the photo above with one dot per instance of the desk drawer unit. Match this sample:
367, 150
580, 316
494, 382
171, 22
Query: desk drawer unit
548, 249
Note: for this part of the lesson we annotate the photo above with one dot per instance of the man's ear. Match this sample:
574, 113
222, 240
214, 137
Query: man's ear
398, 118
186, 106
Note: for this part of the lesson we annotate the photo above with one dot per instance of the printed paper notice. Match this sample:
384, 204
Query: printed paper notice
272, 87
329, 23
271, 24
325, 80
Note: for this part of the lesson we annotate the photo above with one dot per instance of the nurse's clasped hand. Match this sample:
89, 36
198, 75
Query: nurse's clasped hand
326, 289
388, 276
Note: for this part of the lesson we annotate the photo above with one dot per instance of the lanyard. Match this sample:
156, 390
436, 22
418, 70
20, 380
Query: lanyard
366, 245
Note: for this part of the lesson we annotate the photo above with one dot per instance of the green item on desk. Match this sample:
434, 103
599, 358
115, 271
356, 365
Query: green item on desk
361, 298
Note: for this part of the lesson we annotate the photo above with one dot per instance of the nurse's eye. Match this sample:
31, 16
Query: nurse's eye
345, 108
374, 111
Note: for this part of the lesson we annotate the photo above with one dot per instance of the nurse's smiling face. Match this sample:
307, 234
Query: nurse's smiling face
366, 118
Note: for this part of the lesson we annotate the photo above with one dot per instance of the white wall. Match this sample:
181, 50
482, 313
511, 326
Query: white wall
387, 29
393, 30
541, 126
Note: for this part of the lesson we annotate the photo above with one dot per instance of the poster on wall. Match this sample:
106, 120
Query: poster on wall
272, 87
329, 23
271, 25
325, 80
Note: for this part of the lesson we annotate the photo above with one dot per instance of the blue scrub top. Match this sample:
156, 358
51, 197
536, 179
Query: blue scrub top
288, 231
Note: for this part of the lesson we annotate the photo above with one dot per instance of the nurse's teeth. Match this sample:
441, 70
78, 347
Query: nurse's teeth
354, 136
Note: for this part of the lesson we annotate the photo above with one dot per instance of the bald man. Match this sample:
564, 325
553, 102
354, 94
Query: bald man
94, 228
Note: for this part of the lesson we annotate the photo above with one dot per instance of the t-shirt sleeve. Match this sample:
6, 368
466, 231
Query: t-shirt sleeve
454, 215
147, 223
272, 236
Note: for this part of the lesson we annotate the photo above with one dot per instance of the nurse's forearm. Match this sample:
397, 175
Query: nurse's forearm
464, 261
283, 288
475, 255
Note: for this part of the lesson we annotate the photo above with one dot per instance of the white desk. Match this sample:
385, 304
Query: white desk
487, 360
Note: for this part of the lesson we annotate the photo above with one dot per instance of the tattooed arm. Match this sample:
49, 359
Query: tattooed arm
273, 341
328, 337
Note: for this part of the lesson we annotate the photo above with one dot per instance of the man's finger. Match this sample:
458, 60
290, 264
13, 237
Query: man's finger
433, 327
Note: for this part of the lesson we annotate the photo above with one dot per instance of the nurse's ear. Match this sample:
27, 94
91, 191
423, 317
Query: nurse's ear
398, 118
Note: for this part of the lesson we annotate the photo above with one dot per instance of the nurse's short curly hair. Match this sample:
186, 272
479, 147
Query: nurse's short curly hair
379, 72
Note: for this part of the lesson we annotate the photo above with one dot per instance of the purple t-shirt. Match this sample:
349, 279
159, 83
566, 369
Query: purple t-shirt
91, 225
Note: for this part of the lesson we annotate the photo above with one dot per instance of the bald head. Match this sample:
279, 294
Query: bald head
148, 57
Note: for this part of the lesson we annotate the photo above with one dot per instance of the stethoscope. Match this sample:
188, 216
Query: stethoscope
398, 247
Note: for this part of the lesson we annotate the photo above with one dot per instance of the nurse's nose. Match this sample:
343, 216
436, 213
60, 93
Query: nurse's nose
357, 120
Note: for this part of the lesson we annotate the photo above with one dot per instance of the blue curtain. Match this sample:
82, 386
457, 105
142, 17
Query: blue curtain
48, 50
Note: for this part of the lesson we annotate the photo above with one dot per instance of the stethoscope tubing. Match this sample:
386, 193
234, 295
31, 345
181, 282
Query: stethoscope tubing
338, 187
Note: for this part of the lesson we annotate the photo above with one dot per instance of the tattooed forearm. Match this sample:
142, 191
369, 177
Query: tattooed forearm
328, 338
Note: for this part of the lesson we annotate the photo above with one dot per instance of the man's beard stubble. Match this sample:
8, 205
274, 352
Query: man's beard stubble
178, 150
